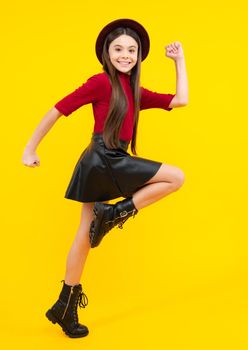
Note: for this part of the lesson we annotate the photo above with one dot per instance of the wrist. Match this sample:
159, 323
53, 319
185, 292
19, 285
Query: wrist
30, 148
179, 59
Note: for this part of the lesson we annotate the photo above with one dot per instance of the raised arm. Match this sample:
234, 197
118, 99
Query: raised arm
30, 158
175, 52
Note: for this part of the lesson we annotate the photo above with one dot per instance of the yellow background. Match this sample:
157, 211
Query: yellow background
176, 276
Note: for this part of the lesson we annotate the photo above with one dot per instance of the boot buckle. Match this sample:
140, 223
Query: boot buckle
123, 213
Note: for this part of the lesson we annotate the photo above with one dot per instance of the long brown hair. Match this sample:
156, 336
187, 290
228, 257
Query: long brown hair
118, 102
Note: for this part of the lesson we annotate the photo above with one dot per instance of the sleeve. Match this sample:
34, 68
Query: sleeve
151, 99
88, 92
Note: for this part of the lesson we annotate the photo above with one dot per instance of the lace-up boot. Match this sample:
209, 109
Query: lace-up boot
108, 216
64, 311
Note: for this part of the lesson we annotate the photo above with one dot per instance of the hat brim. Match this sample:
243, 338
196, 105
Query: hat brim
124, 22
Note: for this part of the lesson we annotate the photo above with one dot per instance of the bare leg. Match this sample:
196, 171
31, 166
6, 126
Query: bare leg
168, 179
80, 247
79, 250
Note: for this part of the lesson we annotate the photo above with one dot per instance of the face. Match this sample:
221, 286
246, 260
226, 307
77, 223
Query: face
123, 52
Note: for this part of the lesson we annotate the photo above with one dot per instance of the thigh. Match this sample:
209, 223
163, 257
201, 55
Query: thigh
167, 173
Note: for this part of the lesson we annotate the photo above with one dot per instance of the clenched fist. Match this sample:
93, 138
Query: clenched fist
30, 159
174, 50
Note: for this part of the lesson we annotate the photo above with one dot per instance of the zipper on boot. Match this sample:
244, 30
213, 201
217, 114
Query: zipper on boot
71, 292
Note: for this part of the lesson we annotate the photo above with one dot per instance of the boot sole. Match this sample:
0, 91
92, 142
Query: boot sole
96, 237
51, 317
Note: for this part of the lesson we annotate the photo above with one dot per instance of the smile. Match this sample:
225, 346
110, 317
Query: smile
124, 63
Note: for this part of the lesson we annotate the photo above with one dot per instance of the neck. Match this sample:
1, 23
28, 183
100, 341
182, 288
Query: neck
124, 74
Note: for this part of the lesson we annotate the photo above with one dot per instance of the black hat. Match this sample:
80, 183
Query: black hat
124, 22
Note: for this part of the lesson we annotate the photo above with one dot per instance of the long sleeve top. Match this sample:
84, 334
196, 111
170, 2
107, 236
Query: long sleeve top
97, 91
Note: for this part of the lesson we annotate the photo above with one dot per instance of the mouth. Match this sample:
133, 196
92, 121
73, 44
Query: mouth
125, 64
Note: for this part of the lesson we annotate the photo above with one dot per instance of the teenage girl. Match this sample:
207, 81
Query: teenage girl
105, 170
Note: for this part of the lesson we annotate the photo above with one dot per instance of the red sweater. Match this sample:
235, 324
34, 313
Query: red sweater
97, 90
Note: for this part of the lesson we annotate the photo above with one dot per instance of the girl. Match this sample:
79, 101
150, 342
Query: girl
105, 170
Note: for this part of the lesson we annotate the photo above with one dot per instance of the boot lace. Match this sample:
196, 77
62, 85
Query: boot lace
82, 301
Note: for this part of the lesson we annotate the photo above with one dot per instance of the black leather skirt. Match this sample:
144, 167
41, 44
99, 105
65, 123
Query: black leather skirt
103, 174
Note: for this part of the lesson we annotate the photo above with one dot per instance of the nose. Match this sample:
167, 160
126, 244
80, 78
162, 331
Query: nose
125, 55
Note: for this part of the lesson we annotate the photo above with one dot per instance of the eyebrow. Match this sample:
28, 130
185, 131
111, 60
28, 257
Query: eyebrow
129, 46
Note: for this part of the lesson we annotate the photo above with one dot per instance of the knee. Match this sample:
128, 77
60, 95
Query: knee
179, 179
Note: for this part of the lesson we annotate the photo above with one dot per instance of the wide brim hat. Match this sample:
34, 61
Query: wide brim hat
125, 23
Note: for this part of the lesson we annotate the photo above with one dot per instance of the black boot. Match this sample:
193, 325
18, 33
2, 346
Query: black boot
107, 216
64, 311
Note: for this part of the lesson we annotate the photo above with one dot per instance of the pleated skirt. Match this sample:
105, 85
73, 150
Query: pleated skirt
102, 174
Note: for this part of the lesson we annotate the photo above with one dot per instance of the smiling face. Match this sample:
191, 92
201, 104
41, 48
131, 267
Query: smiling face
123, 52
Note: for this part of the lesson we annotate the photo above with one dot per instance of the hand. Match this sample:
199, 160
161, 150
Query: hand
174, 51
30, 159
